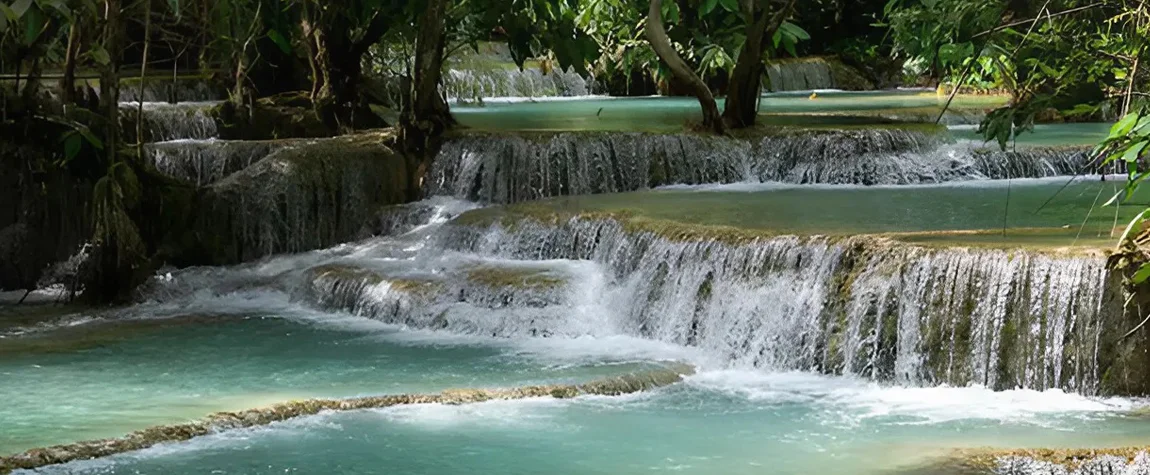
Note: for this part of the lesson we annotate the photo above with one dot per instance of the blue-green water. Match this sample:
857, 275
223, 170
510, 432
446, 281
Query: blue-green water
661, 114
720, 422
1089, 133
106, 378
1053, 211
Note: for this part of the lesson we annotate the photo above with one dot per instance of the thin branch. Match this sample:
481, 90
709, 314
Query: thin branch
1052, 15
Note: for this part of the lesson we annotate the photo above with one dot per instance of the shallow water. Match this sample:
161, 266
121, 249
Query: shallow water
661, 114
1066, 209
1088, 133
716, 422
108, 377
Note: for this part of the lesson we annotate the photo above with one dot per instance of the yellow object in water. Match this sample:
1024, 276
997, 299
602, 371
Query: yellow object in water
814, 95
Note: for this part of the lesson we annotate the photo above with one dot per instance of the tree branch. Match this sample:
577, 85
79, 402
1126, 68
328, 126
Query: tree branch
1029, 20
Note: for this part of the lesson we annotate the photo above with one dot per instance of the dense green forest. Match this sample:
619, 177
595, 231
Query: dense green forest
71, 166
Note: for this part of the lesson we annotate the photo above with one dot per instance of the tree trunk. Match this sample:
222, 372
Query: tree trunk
337, 61
661, 43
743, 90
110, 78
143, 77
426, 115
68, 83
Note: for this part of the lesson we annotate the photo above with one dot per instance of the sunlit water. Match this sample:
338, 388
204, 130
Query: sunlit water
238, 340
105, 378
228, 339
657, 114
1052, 210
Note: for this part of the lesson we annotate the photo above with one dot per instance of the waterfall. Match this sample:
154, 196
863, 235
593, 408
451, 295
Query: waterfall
163, 121
480, 84
800, 75
860, 306
207, 161
514, 168
314, 194
167, 90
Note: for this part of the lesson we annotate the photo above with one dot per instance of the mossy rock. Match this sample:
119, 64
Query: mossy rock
516, 278
314, 195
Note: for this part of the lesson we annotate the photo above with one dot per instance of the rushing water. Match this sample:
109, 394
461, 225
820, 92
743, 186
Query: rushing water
506, 168
184, 120
817, 350
513, 82
278, 329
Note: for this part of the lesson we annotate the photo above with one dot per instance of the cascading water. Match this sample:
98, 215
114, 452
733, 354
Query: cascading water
206, 161
482, 84
164, 121
514, 168
860, 306
167, 90
800, 76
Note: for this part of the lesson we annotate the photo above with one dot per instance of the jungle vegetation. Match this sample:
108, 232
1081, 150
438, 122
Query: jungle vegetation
71, 157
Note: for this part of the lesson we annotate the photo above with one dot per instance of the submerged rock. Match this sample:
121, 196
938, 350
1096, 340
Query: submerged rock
657, 377
500, 301
1099, 461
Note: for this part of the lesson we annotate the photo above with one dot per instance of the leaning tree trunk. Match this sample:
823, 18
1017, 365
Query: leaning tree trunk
744, 88
68, 83
110, 78
661, 43
426, 115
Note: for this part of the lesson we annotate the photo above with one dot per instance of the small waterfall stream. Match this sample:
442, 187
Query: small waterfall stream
164, 121
513, 168
800, 76
482, 84
206, 161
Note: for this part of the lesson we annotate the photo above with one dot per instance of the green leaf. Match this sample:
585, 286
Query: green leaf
34, 21
1133, 223
1134, 151
279, 40
707, 7
1124, 126
1142, 274
91, 138
730, 5
72, 145
19, 7
795, 30
99, 55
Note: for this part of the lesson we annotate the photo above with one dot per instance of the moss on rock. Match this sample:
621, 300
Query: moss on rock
314, 195
512, 277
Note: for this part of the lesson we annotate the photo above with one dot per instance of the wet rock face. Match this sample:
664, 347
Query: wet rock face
204, 162
43, 216
314, 195
802, 74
